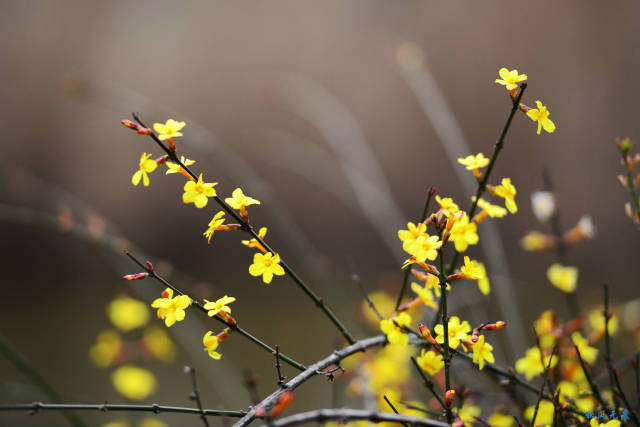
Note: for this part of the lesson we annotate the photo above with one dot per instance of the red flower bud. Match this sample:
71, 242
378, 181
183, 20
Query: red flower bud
448, 397
130, 124
136, 276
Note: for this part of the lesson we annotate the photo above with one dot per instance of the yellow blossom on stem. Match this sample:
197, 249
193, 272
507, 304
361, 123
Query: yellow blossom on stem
211, 342
589, 354
464, 233
541, 115
392, 328
472, 269
176, 168
447, 203
430, 362
482, 352
457, 332
596, 320
426, 248
147, 165
424, 295
253, 243
472, 162
266, 265
531, 364
170, 308
239, 201
468, 413
411, 234
545, 413
222, 304
563, 277
198, 192
507, 191
510, 79
217, 220
170, 129
494, 211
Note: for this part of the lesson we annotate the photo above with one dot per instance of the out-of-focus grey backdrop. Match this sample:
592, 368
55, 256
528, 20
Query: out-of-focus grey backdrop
338, 116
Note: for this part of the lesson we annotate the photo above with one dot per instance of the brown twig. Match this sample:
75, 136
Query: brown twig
195, 394
322, 415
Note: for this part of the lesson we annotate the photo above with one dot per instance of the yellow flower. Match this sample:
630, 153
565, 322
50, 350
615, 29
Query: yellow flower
482, 352
468, 414
217, 306
127, 313
106, 349
147, 165
171, 309
457, 332
474, 162
425, 295
507, 191
392, 328
239, 200
211, 342
168, 130
483, 282
595, 423
411, 234
498, 419
426, 248
217, 220
596, 320
544, 415
158, 344
541, 115
464, 233
510, 79
473, 270
253, 243
198, 192
494, 211
447, 203
266, 265
536, 241
430, 362
589, 354
563, 278
383, 302
176, 168
152, 422
133, 382
531, 364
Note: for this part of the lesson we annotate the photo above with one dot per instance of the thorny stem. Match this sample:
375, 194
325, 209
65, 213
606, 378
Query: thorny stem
233, 327
195, 395
407, 273
427, 382
249, 229
544, 383
105, 407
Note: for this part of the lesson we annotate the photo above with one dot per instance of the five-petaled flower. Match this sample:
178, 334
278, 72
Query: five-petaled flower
220, 305
507, 191
170, 308
411, 234
211, 342
541, 115
266, 265
464, 233
510, 79
430, 362
170, 129
392, 328
425, 247
482, 352
147, 165
214, 225
198, 192
457, 332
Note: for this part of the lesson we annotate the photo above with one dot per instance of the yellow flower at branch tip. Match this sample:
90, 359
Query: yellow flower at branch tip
217, 306
411, 234
464, 233
426, 248
596, 320
171, 309
589, 354
531, 365
541, 115
482, 352
545, 413
494, 211
176, 168
563, 277
106, 349
507, 191
127, 313
392, 328
474, 162
425, 295
239, 200
468, 413
472, 270
217, 220
198, 192
158, 344
211, 342
430, 362
457, 332
510, 79
266, 265
133, 382
498, 419
447, 203
147, 165
170, 129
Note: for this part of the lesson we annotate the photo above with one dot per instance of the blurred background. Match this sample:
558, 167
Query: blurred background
338, 116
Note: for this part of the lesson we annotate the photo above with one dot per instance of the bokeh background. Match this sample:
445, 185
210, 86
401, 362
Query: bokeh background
338, 116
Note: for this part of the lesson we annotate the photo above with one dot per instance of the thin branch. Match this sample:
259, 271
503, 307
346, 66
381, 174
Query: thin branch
195, 394
245, 226
233, 327
427, 382
280, 377
594, 387
445, 332
322, 415
393, 408
356, 278
544, 383
105, 407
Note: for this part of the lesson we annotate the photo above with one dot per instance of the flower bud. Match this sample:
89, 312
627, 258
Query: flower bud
136, 276
448, 397
427, 335
130, 124
149, 265
500, 324
144, 131
624, 146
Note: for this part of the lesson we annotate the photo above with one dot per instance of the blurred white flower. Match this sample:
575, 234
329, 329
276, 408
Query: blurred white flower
586, 226
543, 204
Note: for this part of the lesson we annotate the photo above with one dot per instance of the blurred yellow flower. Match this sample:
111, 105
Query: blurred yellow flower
541, 115
430, 362
482, 352
474, 162
464, 233
531, 364
507, 191
127, 313
612, 423
498, 419
152, 422
266, 265
171, 309
425, 295
106, 349
563, 277
383, 302
596, 320
589, 354
158, 344
215, 307
536, 241
170, 129
198, 192
510, 79
211, 342
133, 382
468, 413
544, 415
392, 328
217, 220
147, 165
239, 200
117, 423
457, 332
